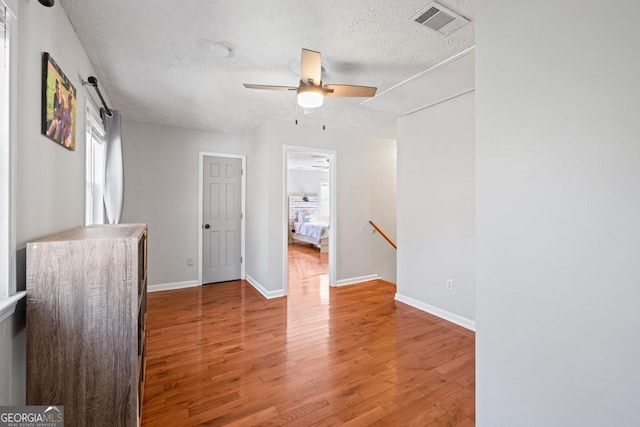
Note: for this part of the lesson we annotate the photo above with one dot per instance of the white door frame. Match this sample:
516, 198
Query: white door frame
201, 157
333, 167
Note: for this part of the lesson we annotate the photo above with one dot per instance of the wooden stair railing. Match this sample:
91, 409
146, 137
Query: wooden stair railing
376, 228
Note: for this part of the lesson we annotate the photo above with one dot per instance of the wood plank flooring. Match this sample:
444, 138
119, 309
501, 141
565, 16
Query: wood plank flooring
223, 355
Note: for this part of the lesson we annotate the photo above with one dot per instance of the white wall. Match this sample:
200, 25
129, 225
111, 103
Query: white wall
49, 178
161, 190
383, 182
257, 221
558, 214
361, 162
8, 392
13, 367
303, 181
436, 209
50, 193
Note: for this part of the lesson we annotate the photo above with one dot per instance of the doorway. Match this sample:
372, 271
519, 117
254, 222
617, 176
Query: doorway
309, 249
221, 226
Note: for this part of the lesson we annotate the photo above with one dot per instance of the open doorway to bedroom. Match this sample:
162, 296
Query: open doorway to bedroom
309, 220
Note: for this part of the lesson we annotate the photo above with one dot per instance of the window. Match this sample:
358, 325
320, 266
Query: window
96, 161
325, 212
7, 239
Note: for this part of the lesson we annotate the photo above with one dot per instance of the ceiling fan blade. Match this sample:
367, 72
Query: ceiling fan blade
311, 66
350, 90
268, 87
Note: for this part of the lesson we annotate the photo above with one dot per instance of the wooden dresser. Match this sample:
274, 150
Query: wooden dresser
86, 322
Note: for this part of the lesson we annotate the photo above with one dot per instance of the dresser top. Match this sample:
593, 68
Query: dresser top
98, 232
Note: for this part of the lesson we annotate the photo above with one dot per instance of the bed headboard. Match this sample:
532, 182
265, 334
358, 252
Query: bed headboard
297, 204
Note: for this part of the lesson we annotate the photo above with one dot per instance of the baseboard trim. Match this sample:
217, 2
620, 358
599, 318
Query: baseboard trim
263, 291
443, 314
356, 280
172, 286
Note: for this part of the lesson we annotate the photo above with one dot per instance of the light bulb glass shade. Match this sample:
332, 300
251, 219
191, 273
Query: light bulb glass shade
310, 98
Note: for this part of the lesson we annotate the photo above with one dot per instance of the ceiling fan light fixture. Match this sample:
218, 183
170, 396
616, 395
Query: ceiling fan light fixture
310, 97
311, 91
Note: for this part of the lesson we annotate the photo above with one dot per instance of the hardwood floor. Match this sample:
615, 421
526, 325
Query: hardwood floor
223, 355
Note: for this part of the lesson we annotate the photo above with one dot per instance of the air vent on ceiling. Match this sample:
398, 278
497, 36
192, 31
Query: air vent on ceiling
440, 19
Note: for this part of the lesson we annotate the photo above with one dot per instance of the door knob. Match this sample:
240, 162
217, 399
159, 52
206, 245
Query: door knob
207, 226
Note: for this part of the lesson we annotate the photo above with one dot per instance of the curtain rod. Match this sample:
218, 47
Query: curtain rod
92, 81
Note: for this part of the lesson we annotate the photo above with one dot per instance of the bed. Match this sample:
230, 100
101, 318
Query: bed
304, 225
316, 233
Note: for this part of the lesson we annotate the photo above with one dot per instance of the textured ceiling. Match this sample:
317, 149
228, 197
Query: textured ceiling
155, 61
308, 161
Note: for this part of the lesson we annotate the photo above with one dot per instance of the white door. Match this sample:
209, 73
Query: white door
222, 205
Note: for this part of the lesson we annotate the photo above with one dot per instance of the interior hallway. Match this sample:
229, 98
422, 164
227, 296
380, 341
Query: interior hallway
308, 269
223, 355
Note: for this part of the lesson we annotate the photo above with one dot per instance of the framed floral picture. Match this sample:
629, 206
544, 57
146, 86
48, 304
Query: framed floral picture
58, 104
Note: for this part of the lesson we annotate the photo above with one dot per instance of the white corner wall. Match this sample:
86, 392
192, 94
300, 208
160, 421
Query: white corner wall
436, 209
257, 221
161, 190
362, 161
383, 179
558, 214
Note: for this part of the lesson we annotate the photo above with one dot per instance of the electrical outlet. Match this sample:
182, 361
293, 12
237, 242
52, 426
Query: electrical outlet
189, 261
450, 284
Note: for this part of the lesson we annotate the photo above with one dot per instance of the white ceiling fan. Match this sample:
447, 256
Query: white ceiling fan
311, 91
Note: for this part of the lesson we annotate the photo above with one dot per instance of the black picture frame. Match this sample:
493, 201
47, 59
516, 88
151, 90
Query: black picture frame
59, 104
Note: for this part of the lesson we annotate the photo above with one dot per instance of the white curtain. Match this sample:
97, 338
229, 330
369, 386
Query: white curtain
114, 170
